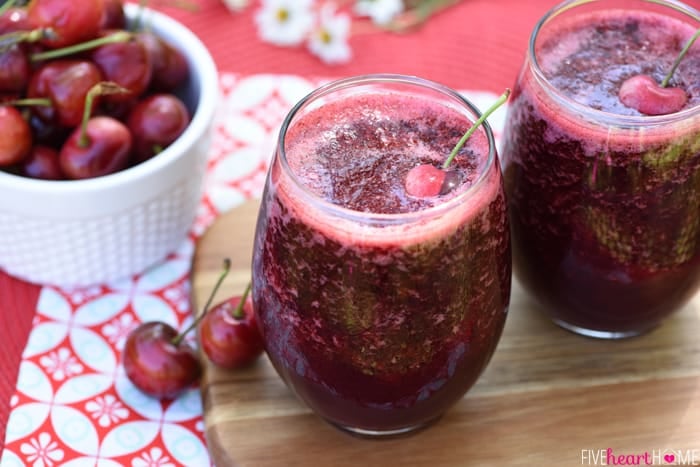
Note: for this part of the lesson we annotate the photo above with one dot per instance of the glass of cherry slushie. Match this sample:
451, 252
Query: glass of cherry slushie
602, 176
380, 309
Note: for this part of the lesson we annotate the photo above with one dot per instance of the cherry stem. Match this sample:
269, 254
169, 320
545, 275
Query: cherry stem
178, 339
116, 37
31, 101
15, 37
238, 312
6, 6
100, 89
687, 47
479, 121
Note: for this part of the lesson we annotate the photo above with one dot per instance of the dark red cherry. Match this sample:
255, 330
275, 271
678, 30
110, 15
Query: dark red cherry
229, 334
125, 63
155, 122
643, 93
170, 69
68, 88
14, 19
70, 21
102, 148
15, 70
113, 16
156, 363
42, 162
15, 136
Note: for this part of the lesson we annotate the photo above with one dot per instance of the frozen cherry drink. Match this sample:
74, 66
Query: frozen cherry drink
603, 172
378, 308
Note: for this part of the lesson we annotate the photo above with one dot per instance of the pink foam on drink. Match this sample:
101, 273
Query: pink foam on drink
342, 129
591, 91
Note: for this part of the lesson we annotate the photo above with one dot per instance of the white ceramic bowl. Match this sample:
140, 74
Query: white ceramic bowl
82, 232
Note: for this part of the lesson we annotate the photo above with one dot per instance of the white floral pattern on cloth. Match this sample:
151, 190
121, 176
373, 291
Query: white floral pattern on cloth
73, 405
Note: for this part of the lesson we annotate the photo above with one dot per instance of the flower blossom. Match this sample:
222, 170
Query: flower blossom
285, 22
329, 41
42, 451
61, 364
107, 410
154, 458
380, 11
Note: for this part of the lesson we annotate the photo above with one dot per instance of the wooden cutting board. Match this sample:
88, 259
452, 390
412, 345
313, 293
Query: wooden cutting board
548, 397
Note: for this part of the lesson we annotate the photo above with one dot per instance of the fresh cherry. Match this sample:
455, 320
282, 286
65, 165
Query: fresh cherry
99, 146
155, 122
14, 19
158, 361
42, 163
113, 16
426, 180
70, 21
126, 63
15, 69
66, 83
15, 136
643, 93
170, 68
229, 334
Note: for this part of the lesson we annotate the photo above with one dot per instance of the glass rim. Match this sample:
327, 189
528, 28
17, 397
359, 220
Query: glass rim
610, 118
384, 219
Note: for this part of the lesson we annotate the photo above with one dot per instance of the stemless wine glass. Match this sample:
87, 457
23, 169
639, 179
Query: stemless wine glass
377, 309
604, 201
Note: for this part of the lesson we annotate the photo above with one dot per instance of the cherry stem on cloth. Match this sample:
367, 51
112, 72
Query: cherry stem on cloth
238, 312
227, 267
116, 37
472, 129
687, 47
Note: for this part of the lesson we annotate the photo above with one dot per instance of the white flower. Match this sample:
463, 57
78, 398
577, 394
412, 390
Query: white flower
42, 452
330, 39
106, 410
380, 11
285, 22
117, 330
154, 458
236, 5
61, 364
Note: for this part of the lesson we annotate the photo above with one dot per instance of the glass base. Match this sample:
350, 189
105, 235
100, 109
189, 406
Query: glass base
383, 434
597, 334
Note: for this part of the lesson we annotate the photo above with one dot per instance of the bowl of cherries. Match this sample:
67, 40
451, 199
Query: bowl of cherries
105, 117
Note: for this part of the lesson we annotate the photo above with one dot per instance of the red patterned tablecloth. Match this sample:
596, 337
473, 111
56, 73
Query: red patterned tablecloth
63, 397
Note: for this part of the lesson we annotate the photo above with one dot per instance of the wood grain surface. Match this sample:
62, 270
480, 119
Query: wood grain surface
548, 397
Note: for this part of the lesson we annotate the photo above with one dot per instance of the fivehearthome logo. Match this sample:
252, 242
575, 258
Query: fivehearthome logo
652, 457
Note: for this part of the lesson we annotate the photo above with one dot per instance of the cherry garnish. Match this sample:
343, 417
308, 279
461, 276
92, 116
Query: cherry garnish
426, 180
229, 334
158, 361
643, 93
